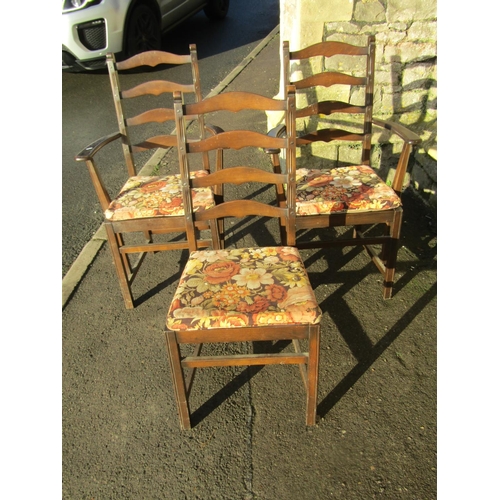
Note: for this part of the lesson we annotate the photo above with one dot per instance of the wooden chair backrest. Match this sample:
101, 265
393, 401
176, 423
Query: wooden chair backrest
238, 174
327, 78
156, 88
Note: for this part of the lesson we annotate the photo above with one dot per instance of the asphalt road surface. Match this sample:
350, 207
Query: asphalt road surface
88, 112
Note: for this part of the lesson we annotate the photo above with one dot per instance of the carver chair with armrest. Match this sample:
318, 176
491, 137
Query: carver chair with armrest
329, 196
241, 295
148, 205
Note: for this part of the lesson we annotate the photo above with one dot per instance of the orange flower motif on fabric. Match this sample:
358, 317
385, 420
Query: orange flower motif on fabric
288, 254
231, 321
202, 198
276, 293
153, 186
321, 180
218, 272
176, 325
166, 207
308, 209
176, 304
297, 295
260, 304
303, 313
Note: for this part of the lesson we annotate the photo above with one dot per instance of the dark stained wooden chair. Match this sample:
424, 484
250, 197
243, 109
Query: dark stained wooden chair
241, 294
148, 205
329, 195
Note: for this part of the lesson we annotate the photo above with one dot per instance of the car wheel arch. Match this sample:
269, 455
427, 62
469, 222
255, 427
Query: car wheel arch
152, 4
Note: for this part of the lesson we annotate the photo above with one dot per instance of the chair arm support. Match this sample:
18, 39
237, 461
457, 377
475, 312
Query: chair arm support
410, 139
400, 130
94, 147
278, 131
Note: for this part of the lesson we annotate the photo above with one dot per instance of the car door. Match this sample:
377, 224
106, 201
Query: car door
173, 11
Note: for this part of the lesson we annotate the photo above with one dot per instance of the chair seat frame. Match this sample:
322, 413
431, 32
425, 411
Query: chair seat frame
308, 362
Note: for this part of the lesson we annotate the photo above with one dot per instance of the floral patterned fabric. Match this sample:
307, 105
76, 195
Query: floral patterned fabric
143, 196
243, 287
345, 189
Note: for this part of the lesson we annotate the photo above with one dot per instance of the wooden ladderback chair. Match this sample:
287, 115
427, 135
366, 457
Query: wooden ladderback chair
147, 204
241, 294
330, 195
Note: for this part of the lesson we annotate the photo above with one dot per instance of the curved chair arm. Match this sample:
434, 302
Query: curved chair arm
410, 139
87, 155
400, 130
278, 131
88, 152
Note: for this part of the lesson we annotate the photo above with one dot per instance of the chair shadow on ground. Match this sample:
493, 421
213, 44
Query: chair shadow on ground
418, 236
241, 380
171, 281
362, 348
349, 327
367, 354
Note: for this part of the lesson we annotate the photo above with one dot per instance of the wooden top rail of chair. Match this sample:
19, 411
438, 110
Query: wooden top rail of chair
153, 58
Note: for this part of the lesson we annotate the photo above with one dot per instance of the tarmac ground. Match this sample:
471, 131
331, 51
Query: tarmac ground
376, 433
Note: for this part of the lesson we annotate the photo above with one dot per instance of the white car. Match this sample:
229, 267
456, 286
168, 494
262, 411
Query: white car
92, 28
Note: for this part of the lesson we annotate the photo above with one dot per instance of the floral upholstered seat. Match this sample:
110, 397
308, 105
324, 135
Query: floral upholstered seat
143, 196
346, 189
243, 287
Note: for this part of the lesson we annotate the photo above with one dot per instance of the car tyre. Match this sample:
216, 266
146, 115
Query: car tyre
216, 9
143, 31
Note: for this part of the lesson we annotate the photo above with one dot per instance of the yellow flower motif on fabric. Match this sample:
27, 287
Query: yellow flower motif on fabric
253, 278
261, 253
292, 279
192, 266
229, 296
271, 318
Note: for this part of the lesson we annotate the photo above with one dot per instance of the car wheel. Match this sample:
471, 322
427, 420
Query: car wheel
216, 9
143, 32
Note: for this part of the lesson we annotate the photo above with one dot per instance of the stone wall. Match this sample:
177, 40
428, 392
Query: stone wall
405, 73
